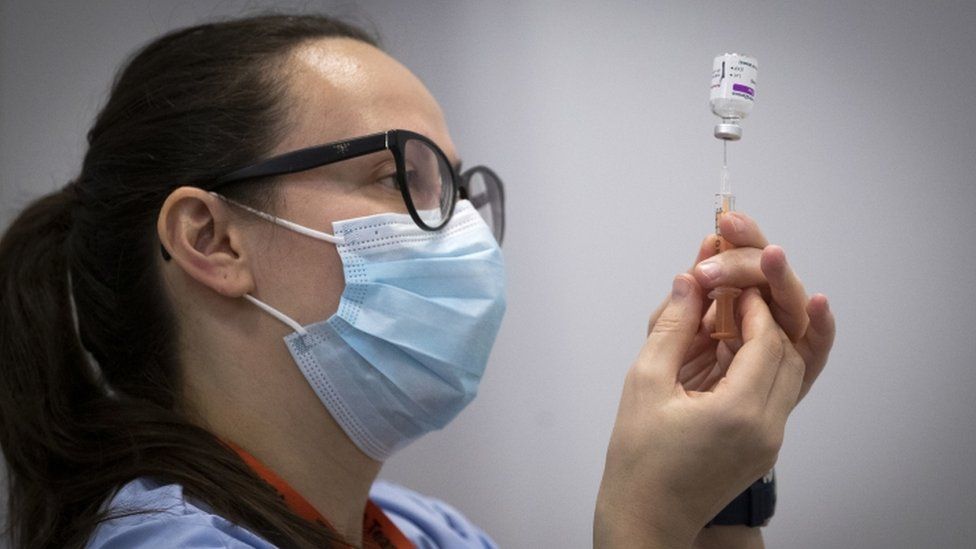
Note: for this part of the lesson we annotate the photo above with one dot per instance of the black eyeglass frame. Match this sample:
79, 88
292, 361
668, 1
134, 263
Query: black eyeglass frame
392, 140
337, 151
498, 223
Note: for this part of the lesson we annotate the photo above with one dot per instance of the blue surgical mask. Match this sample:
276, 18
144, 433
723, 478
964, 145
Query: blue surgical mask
405, 351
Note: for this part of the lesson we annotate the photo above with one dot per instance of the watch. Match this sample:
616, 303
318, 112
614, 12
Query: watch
754, 507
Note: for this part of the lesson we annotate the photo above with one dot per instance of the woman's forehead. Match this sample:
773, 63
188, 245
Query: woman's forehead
342, 88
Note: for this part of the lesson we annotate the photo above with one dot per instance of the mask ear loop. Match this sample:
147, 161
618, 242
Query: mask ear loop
319, 235
277, 314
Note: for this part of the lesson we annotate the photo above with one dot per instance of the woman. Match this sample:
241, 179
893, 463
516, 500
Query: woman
269, 275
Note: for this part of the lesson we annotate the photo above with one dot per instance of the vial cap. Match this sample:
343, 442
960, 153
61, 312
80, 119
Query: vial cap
729, 132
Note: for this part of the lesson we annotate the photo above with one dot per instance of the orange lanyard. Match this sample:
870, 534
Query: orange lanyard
379, 532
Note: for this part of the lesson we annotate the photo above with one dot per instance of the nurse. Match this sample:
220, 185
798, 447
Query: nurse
271, 273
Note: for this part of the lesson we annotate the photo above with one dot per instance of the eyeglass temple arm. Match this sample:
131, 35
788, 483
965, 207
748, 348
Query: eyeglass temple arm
308, 158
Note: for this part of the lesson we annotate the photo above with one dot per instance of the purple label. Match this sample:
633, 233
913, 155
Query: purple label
744, 89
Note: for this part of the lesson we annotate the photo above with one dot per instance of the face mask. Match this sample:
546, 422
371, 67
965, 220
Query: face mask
405, 351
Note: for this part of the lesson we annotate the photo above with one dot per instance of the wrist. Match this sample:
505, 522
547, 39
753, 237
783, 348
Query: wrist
649, 526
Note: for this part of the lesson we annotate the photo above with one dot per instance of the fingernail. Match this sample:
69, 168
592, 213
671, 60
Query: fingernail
680, 287
711, 270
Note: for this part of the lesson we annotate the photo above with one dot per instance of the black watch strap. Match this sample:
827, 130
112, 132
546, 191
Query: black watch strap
753, 507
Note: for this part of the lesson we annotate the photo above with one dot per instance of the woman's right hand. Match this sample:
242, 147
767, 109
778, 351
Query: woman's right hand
677, 456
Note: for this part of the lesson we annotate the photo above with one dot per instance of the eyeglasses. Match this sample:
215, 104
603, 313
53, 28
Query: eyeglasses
428, 183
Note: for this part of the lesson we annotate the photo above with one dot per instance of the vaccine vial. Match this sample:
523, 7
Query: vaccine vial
733, 92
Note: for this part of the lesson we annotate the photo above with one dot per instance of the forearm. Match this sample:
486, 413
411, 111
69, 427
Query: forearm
729, 537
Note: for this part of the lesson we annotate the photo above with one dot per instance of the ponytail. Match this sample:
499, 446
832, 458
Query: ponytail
44, 379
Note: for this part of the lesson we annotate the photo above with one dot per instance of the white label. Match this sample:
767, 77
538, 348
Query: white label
733, 85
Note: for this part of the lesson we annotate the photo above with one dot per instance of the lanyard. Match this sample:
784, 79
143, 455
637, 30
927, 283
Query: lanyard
379, 532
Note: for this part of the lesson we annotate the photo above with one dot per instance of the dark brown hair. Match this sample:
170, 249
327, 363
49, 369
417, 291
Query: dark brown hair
188, 107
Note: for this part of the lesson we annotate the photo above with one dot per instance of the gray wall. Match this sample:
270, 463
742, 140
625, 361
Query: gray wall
858, 159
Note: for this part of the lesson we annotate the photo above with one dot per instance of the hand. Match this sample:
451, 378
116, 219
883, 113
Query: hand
754, 262
807, 322
677, 456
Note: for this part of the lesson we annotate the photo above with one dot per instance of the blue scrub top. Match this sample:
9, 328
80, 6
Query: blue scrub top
174, 521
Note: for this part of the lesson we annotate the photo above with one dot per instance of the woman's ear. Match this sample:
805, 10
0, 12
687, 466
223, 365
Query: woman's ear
196, 229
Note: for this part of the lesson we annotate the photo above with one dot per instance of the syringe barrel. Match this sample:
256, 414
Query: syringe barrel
724, 296
724, 203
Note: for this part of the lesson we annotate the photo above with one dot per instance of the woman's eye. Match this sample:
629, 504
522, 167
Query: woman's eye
390, 181
393, 182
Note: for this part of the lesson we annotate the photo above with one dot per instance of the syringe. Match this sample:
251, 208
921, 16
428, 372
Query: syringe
732, 95
724, 296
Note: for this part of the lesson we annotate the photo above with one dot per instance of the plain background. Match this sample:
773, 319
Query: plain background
858, 159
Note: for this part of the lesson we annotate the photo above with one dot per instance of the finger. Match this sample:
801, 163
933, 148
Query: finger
785, 392
663, 352
744, 267
723, 357
716, 375
815, 346
705, 250
708, 319
741, 231
725, 352
789, 304
753, 368
708, 248
737, 268
699, 359
701, 344
694, 371
732, 345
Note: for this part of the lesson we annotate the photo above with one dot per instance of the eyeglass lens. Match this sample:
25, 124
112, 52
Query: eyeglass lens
485, 194
429, 182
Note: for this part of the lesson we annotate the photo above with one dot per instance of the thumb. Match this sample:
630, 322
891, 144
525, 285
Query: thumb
672, 333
